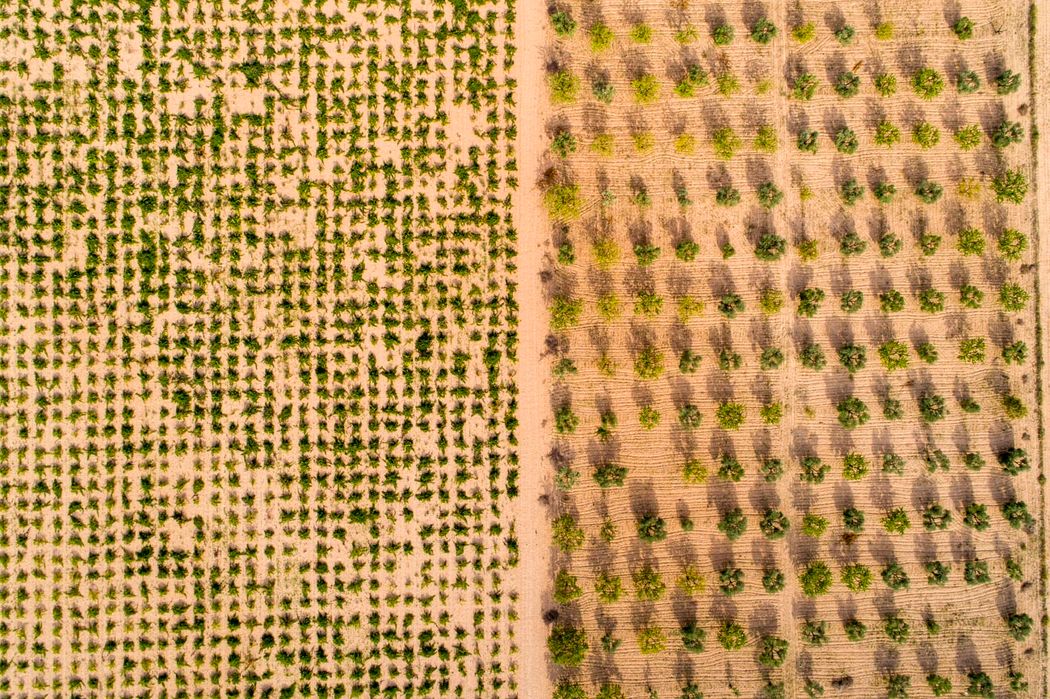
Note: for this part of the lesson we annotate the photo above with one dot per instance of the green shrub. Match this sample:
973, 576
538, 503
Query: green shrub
726, 142
890, 244
967, 82
887, 134
562, 201
813, 470
927, 83
885, 192
972, 350
733, 524
929, 192
727, 196
968, 137
1015, 352
651, 528
1016, 514
896, 521
856, 577
689, 362
1012, 297
814, 632
1007, 82
814, 525
766, 139
812, 357
963, 28
565, 420
731, 635
566, 587
895, 577
885, 84
852, 301
641, 33
851, 192
771, 301
927, 352
730, 415
884, 31
730, 304
608, 587
566, 533
774, 524
565, 312
932, 407
976, 573
853, 357
723, 35
689, 416
769, 195
601, 37
891, 301
926, 135
730, 581
980, 685
773, 581
564, 86
772, 651
804, 87
851, 244
646, 89
815, 579
569, 690
847, 84
853, 520
855, 630
894, 355
770, 247
693, 637
1012, 244
807, 141
854, 466
651, 640
730, 469
610, 475
893, 463
567, 645
770, 359
603, 90
763, 31
970, 296
1010, 186
1007, 133
897, 629
845, 140
809, 300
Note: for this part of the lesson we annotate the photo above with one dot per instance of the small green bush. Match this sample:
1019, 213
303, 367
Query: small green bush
927, 83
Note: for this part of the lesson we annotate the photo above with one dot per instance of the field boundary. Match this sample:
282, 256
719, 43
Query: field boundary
1039, 63
533, 527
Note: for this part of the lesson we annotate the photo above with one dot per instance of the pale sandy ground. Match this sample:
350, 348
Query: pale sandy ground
1041, 73
533, 377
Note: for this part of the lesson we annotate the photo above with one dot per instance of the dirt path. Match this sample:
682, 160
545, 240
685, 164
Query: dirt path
533, 372
1041, 155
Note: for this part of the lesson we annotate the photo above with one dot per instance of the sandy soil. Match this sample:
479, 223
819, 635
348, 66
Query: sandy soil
533, 371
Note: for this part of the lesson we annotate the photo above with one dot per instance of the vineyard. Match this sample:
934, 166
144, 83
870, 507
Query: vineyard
794, 349
257, 409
